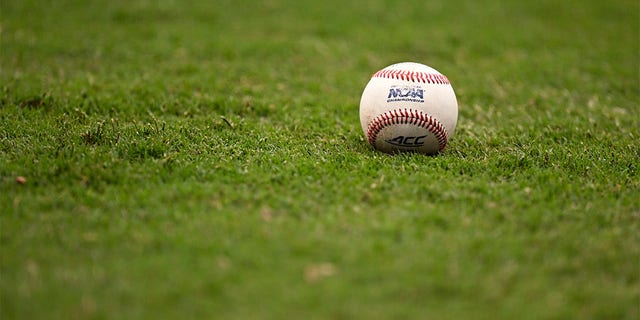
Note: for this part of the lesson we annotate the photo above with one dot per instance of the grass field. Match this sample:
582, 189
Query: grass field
186, 160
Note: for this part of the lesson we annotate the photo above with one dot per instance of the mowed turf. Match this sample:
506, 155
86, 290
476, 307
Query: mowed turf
186, 160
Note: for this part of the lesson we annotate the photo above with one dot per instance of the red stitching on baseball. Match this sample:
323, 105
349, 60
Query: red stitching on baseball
405, 116
407, 75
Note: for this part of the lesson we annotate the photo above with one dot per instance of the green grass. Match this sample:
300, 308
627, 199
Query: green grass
191, 160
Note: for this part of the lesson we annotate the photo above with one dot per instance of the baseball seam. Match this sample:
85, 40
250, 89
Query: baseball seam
413, 76
407, 116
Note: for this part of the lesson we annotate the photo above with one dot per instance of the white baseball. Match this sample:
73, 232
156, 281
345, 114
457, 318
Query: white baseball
408, 107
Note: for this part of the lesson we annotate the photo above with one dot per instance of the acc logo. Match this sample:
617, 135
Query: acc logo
407, 141
413, 94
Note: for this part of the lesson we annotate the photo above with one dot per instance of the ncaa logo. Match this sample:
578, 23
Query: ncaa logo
412, 94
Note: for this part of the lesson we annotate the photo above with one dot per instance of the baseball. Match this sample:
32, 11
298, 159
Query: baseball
408, 106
